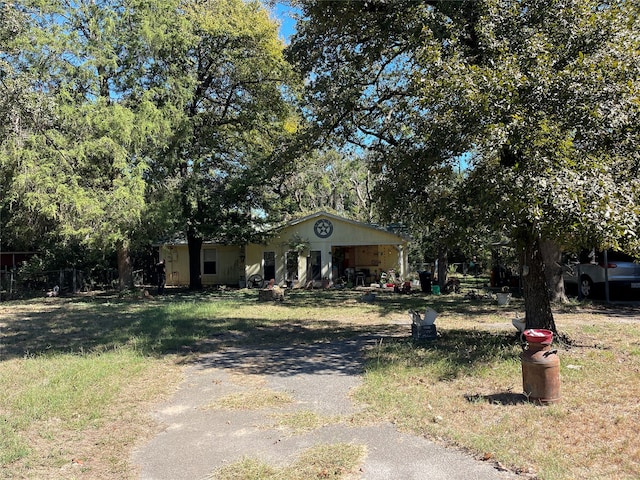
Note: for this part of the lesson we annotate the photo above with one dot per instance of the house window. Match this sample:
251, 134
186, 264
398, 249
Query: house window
210, 260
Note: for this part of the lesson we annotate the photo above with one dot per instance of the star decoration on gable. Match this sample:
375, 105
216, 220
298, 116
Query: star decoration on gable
323, 228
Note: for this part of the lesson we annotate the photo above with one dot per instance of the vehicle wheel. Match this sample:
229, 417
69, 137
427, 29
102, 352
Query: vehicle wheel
255, 281
586, 287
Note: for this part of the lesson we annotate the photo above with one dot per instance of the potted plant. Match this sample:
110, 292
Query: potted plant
298, 244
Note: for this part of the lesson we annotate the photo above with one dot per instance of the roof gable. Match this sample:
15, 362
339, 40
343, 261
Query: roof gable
307, 222
316, 218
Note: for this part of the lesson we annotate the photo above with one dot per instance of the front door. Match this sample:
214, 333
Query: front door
269, 266
291, 267
316, 265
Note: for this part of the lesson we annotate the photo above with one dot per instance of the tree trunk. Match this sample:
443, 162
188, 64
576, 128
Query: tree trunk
552, 258
536, 299
443, 266
125, 270
195, 245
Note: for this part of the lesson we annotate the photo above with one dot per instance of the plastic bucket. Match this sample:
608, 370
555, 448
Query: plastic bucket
538, 335
435, 289
503, 298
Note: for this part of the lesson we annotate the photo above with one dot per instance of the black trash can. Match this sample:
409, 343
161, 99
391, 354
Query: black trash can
425, 281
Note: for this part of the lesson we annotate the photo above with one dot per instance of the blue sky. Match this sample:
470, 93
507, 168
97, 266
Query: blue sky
283, 13
287, 23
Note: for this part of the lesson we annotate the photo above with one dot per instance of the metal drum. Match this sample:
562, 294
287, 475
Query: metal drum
540, 368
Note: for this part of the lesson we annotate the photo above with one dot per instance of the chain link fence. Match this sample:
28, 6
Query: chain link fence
66, 281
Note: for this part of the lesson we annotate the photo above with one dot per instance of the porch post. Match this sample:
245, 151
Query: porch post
303, 267
402, 261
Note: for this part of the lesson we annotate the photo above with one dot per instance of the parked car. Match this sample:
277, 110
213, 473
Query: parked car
587, 273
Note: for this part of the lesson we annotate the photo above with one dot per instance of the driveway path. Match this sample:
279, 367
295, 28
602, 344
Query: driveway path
197, 440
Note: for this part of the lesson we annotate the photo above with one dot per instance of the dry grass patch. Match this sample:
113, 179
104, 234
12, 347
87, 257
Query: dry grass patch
112, 358
247, 379
303, 421
84, 428
335, 461
255, 399
466, 389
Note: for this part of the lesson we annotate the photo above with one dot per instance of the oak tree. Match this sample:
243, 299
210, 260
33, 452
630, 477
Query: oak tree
541, 95
233, 118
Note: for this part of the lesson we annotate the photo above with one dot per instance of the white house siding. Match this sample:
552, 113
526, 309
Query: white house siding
361, 246
177, 264
253, 262
372, 249
229, 265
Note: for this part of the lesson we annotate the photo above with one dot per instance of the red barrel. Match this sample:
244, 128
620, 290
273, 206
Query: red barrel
540, 370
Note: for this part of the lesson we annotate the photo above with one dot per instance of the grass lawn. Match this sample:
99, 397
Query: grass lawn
78, 376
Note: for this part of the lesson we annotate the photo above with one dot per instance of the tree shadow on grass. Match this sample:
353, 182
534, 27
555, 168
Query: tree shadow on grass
173, 324
443, 304
338, 357
386, 303
456, 353
58, 327
168, 326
